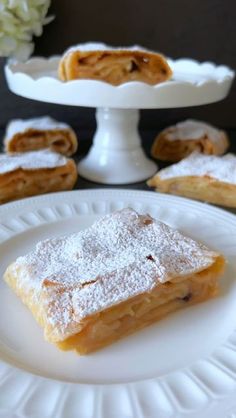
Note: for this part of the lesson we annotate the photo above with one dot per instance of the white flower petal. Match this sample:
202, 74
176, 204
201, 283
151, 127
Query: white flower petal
23, 51
20, 20
7, 46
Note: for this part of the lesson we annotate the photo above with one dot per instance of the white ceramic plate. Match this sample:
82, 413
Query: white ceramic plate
193, 83
185, 365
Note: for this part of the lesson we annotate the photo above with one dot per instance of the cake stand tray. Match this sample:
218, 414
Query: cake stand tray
116, 156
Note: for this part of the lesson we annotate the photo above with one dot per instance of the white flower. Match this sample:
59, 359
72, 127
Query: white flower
20, 20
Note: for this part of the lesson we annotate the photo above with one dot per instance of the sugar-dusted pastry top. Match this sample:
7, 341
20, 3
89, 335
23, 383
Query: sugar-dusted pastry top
99, 46
120, 256
219, 168
192, 129
43, 123
31, 160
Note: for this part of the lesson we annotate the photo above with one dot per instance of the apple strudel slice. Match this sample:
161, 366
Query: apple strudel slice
24, 135
32, 173
203, 177
179, 141
113, 65
126, 271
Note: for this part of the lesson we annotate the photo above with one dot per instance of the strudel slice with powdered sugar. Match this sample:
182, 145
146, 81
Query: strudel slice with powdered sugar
34, 134
32, 173
114, 65
203, 177
126, 271
179, 141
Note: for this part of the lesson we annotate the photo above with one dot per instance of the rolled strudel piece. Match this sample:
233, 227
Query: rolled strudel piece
39, 133
123, 273
179, 141
113, 65
33, 173
203, 177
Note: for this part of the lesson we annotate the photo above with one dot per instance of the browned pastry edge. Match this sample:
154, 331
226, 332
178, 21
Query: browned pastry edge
22, 183
102, 329
175, 150
203, 188
115, 66
63, 141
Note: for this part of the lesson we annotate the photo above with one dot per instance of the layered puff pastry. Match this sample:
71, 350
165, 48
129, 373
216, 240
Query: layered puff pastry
203, 177
180, 140
97, 61
126, 271
32, 173
24, 135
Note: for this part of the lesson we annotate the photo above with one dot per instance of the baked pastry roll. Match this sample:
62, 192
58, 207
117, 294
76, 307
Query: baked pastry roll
39, 133
179, 141
202, 177
33, 173
113, 65
126, 271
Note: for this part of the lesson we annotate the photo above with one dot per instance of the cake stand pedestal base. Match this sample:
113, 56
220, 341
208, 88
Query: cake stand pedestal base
116, 156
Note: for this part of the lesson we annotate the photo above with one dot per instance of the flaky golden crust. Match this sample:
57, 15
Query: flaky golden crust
92, 288
22, 183
99, 330
114, 66
133, 315
63, 141
175, 150
202, 188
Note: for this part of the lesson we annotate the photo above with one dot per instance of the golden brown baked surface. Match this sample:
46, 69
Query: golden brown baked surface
114, 66
178, 141
33, 173
203, 177
40, 133
123, 273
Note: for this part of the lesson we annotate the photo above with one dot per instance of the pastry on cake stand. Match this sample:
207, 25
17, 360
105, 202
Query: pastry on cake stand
116, 155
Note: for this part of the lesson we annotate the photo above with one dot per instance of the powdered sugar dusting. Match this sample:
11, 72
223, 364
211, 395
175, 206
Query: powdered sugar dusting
193, 129
31, 160
120, 256
43, 123
219, 168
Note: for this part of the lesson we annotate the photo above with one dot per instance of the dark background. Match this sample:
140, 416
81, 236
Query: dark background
201, 29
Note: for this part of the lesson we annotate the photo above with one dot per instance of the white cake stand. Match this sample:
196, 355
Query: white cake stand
116, 156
